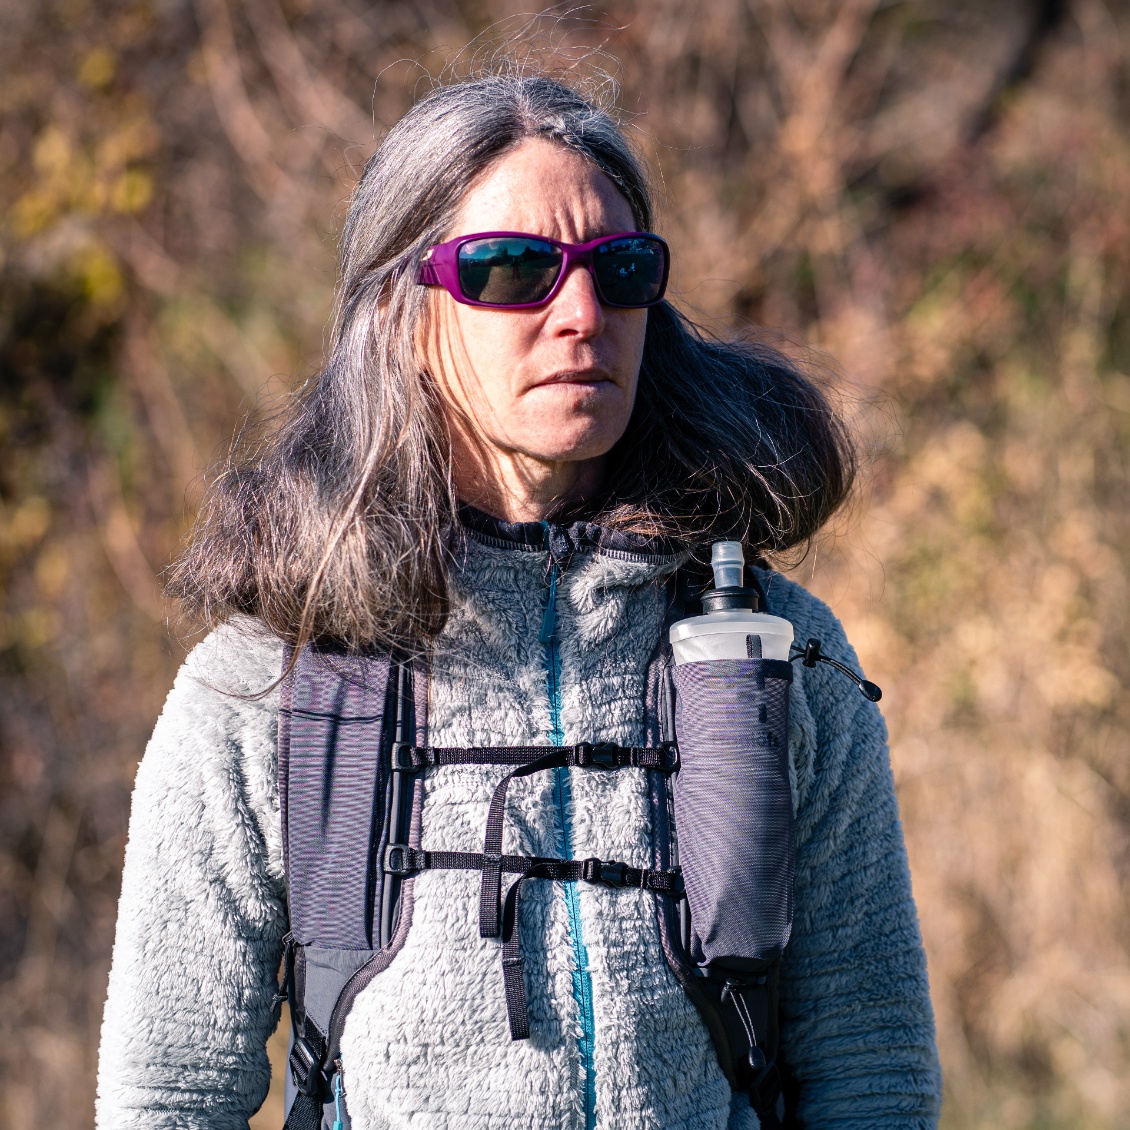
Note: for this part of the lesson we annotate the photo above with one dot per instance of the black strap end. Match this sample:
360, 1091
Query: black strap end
765, 1095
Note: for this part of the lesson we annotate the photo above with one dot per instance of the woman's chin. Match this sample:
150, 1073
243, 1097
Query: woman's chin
573, 432
572, 445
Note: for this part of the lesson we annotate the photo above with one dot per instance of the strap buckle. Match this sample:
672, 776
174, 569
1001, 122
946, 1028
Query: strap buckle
668, 757
407, 758
603, 755
306, 1068
610, 874
400, 860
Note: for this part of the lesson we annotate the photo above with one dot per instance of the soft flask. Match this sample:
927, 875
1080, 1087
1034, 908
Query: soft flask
733, 801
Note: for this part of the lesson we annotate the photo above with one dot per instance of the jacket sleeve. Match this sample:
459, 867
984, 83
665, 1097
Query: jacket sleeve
202, 912
857, 1026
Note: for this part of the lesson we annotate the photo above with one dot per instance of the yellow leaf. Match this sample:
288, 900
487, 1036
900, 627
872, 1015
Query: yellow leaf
99, 274
33, 212
97, 69
132, 191
52, 153
28, 523
52, 570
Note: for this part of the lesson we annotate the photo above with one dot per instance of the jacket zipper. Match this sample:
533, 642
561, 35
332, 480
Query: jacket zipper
582, 978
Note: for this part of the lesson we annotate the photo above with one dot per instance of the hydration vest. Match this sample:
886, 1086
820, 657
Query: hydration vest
351, 794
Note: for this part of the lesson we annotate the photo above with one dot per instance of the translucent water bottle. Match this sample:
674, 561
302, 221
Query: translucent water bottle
730, 618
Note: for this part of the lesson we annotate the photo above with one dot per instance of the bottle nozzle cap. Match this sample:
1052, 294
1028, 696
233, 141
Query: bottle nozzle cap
728, 561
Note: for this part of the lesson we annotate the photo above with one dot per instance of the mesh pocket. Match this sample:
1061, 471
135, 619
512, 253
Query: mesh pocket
733, 806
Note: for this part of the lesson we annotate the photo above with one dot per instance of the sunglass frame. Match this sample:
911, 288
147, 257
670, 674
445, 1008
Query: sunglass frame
441, 268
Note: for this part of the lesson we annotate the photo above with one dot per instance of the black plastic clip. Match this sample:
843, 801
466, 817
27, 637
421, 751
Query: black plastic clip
407, 758
733, 987
610, 874
614, 874
306, 1068
602, 755
668, 757
400, 860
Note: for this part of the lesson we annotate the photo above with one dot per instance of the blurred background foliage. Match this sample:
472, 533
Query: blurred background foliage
933, 192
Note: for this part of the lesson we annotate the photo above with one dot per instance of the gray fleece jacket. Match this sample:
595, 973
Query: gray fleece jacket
616, 1044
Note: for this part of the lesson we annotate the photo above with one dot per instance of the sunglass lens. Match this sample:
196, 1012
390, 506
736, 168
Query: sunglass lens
507, 271
631, 271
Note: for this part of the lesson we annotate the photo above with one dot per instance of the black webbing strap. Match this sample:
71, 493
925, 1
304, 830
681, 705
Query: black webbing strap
765, 1097
306, 1055
307, 1050
403, 860
584, 755
591, 871
765, 1080
408, 758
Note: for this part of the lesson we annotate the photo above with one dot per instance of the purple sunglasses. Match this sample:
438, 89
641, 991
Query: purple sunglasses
516, 271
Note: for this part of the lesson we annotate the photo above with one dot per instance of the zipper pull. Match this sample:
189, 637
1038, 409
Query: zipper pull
338, 1092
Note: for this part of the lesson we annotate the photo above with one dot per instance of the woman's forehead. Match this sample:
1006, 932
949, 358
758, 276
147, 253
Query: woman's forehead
544, 189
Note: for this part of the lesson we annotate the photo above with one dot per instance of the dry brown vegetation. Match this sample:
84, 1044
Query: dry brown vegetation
935, 192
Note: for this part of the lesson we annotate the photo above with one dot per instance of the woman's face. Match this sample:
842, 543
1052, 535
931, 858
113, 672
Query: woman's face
556, 383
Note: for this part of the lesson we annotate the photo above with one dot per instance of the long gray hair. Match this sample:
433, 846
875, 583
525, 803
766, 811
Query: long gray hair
339, 526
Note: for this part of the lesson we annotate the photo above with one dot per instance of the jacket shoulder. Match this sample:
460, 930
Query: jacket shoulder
214, 749
240, 658
809, 615
843, 723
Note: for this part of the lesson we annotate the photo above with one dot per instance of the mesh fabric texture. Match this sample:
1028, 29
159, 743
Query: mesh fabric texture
733, 806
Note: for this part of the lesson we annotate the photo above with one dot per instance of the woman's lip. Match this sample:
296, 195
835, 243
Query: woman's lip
575, 376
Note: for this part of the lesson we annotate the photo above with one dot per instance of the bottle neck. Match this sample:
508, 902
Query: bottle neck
728, 599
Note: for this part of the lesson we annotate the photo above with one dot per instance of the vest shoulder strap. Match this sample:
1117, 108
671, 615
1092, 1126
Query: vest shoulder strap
337, 723
331, 782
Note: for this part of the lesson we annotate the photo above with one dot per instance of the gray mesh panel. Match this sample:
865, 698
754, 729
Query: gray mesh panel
331, 797
733, 805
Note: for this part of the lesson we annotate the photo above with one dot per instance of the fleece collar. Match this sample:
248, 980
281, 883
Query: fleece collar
562, 539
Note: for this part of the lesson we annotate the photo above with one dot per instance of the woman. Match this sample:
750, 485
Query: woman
507, 455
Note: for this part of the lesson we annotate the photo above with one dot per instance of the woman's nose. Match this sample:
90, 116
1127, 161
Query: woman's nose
576, 308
